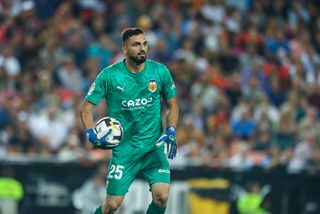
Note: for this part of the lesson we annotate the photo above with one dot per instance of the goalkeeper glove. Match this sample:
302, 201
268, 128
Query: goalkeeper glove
99, 141
169, 138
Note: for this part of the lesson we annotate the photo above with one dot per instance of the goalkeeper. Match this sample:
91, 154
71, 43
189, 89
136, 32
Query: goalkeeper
132, 89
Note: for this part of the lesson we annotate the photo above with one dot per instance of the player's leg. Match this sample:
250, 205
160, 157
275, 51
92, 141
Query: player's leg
160, 194
157, 173
110, 206
121, 173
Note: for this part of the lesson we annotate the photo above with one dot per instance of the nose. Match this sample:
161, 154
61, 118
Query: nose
142, 48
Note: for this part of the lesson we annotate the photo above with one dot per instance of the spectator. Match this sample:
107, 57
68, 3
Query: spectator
68, 74
71, 150
309, 122
90, 195
102, 51
10, 62
285, 131
304, 153
49, 129
276, 93
244, 127
265, 107
5, 114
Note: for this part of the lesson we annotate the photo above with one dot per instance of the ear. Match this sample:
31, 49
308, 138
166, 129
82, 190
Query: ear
124, 50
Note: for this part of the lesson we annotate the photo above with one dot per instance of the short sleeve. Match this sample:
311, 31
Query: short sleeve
97, 90
168, 90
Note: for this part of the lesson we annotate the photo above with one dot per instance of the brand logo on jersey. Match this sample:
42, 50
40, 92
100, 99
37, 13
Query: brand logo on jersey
136, 103
91, 88
120, 88
164, 171
152, 86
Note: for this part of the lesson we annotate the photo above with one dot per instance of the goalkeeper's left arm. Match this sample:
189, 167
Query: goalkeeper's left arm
172, 115
169, 137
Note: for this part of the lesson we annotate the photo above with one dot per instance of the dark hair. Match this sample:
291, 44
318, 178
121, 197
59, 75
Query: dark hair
128, 32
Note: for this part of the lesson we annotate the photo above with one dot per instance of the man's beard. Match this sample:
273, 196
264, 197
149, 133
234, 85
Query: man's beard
139, 59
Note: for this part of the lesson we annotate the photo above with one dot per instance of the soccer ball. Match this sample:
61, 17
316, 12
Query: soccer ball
104, 125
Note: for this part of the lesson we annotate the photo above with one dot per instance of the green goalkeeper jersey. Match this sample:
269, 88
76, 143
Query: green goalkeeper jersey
134, 100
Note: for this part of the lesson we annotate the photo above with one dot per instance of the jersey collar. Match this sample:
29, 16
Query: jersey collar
134, 73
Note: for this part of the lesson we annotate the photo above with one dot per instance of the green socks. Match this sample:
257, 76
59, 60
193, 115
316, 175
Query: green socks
98, 210
154, 209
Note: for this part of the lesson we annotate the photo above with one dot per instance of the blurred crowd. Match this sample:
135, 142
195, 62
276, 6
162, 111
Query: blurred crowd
247, 74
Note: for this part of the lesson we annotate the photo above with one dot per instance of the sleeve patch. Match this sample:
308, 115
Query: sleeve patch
91, 88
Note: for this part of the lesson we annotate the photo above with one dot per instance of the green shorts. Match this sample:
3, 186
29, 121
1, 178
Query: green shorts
123, 170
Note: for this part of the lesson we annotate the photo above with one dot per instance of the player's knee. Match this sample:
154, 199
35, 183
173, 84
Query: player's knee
161, 198
111, 206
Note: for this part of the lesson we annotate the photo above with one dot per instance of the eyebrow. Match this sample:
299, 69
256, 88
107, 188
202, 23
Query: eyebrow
137, 43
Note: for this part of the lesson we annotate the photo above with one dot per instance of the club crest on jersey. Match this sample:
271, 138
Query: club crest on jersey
152, 86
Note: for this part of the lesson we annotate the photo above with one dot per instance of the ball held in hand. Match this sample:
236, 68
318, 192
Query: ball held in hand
110, 129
